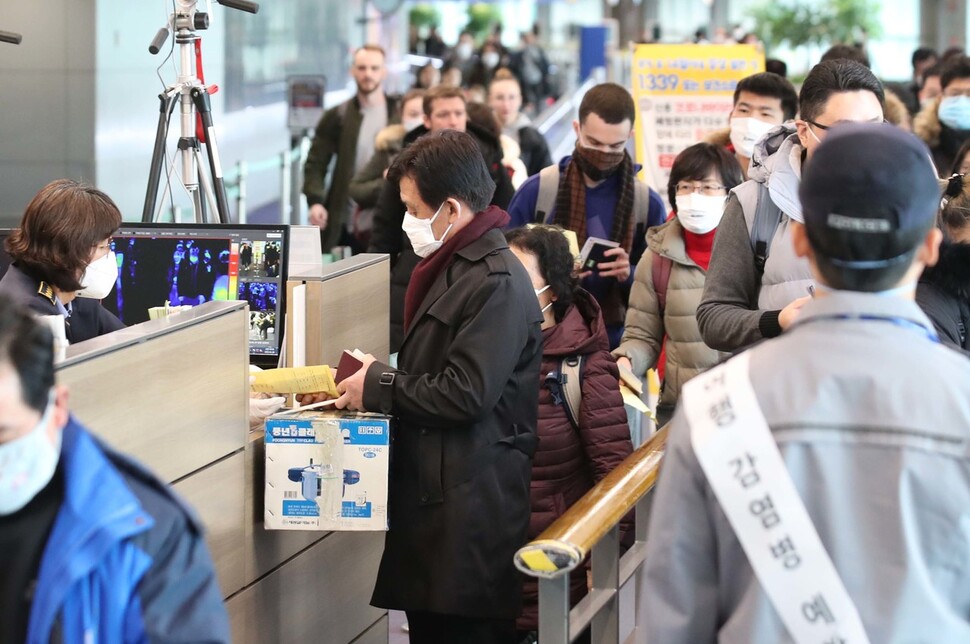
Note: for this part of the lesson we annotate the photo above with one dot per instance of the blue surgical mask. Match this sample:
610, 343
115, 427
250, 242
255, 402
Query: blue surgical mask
954, 112
27, 464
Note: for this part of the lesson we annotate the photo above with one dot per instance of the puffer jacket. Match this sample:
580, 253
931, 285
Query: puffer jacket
943, 293
944, 142
568, 463
687, 355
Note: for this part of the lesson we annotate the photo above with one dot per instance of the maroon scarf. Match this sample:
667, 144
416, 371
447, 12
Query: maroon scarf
429, 268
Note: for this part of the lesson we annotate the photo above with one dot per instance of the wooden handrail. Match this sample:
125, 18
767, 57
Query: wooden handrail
564, 544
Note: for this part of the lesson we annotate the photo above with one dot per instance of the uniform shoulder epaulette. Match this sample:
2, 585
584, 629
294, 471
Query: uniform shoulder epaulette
46, 291
497, 263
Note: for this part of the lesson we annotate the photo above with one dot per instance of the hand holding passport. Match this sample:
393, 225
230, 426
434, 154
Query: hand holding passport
350, 363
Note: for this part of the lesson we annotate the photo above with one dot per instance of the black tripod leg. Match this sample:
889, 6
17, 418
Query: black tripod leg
203, 106
167, 104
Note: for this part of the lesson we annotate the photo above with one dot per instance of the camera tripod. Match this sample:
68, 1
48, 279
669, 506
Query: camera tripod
195, 117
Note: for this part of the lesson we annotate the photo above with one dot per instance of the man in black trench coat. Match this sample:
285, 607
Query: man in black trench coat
465, 400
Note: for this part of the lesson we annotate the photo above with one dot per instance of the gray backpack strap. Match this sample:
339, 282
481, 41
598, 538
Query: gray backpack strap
641, 202
548, 189
571, 384
767, 216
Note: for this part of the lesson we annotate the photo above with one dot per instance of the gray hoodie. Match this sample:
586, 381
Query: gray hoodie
740, 307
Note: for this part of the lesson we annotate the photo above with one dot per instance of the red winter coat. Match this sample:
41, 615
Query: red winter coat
568, 463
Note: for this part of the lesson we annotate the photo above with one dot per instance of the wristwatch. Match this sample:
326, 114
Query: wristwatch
386, 398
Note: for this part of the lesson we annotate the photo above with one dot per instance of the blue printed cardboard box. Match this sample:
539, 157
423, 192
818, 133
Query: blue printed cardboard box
327, 471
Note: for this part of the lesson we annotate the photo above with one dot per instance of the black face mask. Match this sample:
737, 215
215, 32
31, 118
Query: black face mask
597, 164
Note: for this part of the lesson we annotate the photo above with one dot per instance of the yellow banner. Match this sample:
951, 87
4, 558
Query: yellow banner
683, 93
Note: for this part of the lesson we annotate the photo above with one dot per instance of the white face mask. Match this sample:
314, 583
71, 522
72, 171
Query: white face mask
699, 213
540, 291
99, 277
490, 59
745, 132
421, 235
464, 50
410, 124
27, 464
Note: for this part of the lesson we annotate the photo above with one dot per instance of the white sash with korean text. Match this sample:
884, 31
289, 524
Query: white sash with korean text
742, 463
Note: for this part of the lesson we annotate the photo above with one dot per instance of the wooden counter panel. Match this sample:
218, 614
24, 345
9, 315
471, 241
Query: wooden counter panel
177, 402
322, 595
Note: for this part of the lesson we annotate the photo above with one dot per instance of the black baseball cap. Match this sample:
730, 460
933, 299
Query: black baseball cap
869, 195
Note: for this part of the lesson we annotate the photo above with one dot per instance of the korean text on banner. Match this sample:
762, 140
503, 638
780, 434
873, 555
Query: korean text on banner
682, 94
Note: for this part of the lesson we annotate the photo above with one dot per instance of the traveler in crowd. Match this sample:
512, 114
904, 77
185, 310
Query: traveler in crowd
444, 109
944, 124
923, 59
856, 420
755, 283
931, 87
484, 117
578, 446
345, 136
661, 321
505, 97
62, 259
365, 187
531, 65
952, 52
761, 102
488, 61
434, 45
595, 193
428, 77
776, 66
943, 291
462, 56
465, 398
894, 108
451, 76
93, 547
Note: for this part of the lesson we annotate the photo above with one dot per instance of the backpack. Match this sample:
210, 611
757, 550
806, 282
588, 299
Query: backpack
549, 187
661, 278
566, 387
767, 216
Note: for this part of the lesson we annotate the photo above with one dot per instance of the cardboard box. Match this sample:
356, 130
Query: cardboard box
327, 471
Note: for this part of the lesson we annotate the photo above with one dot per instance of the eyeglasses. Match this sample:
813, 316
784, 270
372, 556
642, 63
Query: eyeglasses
707, 189
826, 128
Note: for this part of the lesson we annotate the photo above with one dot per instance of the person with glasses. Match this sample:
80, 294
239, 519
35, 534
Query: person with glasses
670, 276
756, 284
944, 123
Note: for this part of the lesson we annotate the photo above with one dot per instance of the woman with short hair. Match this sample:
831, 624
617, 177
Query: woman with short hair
62, 258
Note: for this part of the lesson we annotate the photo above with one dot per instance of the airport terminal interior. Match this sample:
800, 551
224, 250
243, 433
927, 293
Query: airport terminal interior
277, 228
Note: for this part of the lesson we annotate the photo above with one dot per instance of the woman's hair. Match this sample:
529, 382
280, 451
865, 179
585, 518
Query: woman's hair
697, 161
555, 260
484, 116
61, 227
955, 210
960, 156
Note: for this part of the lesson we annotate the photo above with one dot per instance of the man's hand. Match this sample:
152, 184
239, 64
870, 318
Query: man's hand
623, 361
619, 267
351, 389
790, 313
318, 216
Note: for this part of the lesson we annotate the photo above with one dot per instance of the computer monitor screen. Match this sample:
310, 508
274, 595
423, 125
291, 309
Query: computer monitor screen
188, 264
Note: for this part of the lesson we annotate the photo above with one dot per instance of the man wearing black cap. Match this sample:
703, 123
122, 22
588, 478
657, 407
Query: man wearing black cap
815, 487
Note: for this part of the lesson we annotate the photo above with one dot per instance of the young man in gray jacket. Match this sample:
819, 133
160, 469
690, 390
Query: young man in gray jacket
871, 416
752, 292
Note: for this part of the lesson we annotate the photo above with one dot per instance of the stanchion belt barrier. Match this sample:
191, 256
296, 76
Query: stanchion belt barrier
744, 467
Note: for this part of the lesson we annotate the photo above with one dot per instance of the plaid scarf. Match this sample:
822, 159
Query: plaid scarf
571, 198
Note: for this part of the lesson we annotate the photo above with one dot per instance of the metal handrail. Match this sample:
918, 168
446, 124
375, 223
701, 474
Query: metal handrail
591, 526
289, 163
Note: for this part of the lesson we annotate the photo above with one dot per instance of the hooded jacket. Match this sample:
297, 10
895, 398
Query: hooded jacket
125, 560
739, 306
944, 142
943, 293
644, 332
568, 463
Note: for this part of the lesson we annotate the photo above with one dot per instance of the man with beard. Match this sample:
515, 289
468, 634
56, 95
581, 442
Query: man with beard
346, 133
595, 193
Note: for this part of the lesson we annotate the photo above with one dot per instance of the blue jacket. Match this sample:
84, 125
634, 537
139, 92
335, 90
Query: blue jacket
125, 560
600, 200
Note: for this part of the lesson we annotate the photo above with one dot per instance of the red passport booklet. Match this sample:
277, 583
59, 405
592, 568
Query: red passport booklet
349, 365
